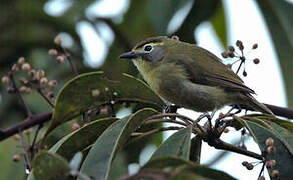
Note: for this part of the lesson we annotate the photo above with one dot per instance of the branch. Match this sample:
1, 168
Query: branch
219, 144
277, 110
30, 122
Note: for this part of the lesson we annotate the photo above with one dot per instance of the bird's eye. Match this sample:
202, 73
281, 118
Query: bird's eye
148, 48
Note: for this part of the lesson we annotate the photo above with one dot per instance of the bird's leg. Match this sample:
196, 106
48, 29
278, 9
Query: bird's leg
171, 109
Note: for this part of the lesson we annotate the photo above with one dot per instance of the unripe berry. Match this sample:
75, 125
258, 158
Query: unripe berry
15, 68
22, 89
275, 173
231, 48
5, 80
256, 61
26, 67
270, 163
40, 73
75, 126
60, 59
238, 43
58, 41
270, 141
249, 166
52, 83
95, 93
10, 90
53, 52
21, 60
43, 81
271, 150
16, 157
225, 54
16, 137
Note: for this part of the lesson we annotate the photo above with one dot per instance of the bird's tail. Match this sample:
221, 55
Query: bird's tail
250, 101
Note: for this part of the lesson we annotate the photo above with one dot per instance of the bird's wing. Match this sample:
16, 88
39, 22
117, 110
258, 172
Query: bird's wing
209, 70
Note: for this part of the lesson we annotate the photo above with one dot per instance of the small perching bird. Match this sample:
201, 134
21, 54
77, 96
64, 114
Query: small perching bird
189, 76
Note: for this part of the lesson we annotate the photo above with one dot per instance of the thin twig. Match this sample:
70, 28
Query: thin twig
43, 95
262, 169
32, 147
26, 156
186, 119
154, 131
164, 120
68, 57
27, 109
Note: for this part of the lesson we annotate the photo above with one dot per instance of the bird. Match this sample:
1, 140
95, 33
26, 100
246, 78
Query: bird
190, 76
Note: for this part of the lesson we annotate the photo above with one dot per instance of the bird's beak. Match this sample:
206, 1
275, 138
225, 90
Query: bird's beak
130, 55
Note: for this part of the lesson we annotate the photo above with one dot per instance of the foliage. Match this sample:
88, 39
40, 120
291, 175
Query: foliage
84, 139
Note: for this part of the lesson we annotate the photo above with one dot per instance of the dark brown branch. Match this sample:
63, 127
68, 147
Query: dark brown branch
277, 110
30, 122
219, 144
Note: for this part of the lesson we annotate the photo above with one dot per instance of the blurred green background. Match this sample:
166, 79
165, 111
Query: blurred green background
28, 29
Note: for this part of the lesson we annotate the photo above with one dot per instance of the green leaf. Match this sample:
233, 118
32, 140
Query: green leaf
219, 24
204, 172
202, 10
48, 166
77, 95
268, 122
282, 156
75, 161
181, 167
195, 149
160, 17
81, 138
99, 159
177, 145
279, 18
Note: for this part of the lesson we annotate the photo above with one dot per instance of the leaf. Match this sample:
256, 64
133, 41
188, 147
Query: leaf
283, 134
75, 161
178, 167
81, 138
282, 156
160, 17
279, 19
195, 149
77, 95
202, 10
48, 166
219, 24
177, 145
99, 159
203, 172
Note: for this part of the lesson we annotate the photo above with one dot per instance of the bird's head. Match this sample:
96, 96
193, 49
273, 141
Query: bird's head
150, 52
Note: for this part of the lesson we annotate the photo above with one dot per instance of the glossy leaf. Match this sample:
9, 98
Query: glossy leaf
202, 10
282, 156
219, 24
281, 132
77, 95
81, 138
181, 167
279, 18
160, 17
201, 172
48, 166
177, 145
99, 159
